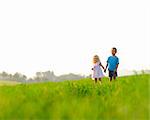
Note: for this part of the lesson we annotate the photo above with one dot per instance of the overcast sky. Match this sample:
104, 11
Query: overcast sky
63, 35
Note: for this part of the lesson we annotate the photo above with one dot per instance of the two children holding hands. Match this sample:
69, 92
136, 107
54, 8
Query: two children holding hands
112, 65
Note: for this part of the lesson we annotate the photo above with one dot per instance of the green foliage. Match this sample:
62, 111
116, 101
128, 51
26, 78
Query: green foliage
126, 98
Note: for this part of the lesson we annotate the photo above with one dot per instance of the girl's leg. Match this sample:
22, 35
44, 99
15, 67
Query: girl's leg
100, 81
95, 80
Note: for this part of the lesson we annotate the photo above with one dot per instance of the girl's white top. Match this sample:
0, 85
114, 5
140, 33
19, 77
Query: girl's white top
97, 71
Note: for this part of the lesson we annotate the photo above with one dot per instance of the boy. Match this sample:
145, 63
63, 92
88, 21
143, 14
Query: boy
112, 64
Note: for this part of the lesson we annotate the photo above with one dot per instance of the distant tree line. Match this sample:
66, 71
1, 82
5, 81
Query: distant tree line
39, 77
13, 77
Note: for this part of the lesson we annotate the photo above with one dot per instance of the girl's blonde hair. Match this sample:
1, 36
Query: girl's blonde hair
96, 59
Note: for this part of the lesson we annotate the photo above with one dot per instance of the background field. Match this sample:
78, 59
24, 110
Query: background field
126, 98
2, 82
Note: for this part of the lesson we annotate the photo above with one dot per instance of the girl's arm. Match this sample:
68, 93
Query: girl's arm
101, 65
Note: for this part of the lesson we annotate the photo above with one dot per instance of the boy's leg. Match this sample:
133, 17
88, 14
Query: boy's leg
110, 75
110, 79
115, 75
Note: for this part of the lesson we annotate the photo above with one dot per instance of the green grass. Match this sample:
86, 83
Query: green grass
126, 98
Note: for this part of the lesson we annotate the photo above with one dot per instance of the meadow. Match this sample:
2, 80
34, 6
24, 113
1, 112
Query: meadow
2, 82
127, 98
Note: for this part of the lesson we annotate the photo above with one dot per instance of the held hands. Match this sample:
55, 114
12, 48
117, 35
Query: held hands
105, 70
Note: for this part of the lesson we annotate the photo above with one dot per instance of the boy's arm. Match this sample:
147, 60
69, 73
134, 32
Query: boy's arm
117, 67
117, 64
106, 67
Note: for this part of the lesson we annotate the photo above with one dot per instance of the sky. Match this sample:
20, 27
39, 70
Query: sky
64, 35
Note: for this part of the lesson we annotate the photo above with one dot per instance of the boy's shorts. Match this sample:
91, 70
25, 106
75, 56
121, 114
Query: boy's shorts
112, 73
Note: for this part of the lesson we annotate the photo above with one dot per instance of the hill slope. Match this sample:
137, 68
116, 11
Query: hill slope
6, 82
126, 98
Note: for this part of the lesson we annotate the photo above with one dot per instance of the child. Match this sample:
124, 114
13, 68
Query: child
97, 72
112, 64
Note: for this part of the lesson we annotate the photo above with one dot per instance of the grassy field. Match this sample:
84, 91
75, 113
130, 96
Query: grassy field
2, 82
126, 98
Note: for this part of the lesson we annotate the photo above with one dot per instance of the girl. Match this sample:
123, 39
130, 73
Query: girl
97, 72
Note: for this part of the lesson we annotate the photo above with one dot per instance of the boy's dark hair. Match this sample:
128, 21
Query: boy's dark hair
114, 48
